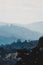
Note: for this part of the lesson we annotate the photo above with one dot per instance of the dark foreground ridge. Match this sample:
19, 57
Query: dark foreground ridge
22, 56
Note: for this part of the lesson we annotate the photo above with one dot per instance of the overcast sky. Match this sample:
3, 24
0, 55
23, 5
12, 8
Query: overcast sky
21, 11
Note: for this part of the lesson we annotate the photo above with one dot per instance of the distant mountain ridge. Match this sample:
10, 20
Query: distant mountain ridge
10, 33
37, 26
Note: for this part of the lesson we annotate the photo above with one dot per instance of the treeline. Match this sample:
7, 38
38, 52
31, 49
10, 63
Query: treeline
33, 57
13, 47
20, 44
11, 55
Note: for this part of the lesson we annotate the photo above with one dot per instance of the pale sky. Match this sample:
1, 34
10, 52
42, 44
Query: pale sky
21, 11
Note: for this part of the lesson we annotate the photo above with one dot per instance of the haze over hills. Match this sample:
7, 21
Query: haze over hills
38, 26
10, 33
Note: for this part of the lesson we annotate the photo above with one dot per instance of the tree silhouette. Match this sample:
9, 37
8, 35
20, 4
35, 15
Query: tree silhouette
40, 42
18, 41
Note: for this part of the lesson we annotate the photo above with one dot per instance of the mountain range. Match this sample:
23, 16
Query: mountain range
37, 26
10, 33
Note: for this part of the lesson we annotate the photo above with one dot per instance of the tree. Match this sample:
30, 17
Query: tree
2, 52
40, 42
18, 41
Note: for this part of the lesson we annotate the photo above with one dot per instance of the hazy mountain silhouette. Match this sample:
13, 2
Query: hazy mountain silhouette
38, 26
10, 32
